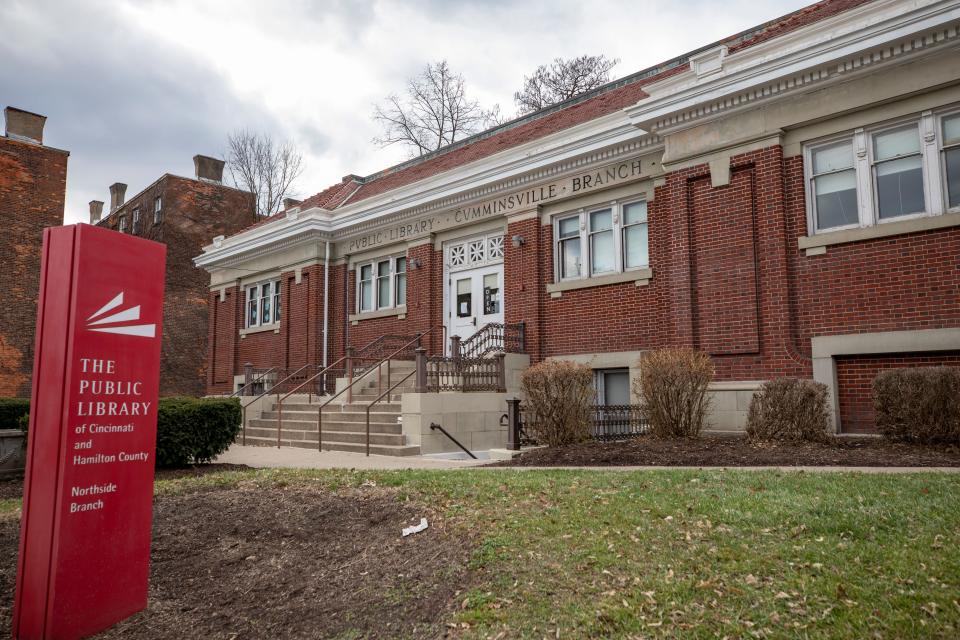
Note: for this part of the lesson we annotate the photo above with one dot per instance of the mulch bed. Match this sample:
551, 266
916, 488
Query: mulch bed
728, 451
290, 562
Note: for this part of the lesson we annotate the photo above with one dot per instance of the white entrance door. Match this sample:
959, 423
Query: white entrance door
474, 299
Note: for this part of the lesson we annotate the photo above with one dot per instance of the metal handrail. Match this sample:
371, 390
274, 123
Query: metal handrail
254, 381
379, 398
349, 388
434, 426
243, 408
297, 388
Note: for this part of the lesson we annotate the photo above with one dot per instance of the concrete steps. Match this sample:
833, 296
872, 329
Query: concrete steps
344, 425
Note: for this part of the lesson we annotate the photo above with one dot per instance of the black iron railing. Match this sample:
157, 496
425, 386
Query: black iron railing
462, 374
607, 422
494, 337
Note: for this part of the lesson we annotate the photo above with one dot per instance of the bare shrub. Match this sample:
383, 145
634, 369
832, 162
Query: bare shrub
559, 395
673, 384
919, 404
789, 410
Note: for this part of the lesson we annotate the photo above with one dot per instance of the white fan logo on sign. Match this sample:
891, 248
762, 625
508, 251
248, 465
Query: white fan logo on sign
128, 315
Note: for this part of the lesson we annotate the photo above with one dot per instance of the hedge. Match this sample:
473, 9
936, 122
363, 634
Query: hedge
189, 430
920, 404
194, 431
789, 410
10, 411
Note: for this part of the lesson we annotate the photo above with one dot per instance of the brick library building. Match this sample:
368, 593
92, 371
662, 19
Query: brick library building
786, 200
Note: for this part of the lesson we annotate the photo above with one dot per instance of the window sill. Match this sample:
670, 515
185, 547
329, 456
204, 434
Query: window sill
275, 327
399, 312
640, 277
817, 244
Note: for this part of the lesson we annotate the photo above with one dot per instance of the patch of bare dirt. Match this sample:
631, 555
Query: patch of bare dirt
294, 562
13, 487
726, 451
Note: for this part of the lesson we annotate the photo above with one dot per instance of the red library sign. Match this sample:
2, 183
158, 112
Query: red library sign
88, 492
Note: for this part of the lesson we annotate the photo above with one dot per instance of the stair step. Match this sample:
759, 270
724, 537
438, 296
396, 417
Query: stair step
375, 449
332, 427
346, 437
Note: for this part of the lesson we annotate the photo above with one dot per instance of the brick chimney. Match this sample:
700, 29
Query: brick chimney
23, 125
208, 169
118, 193
96, 210
290, 203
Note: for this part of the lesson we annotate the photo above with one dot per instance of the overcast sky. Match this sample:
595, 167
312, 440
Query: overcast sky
135, 88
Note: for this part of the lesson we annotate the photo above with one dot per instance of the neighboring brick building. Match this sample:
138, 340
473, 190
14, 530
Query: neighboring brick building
787, 200
185, 214
33, 179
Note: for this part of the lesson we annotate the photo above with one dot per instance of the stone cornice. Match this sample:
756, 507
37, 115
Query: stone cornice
320, 225
856, 41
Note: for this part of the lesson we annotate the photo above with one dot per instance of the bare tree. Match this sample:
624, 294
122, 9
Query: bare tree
268, 168
561, 80
433, 112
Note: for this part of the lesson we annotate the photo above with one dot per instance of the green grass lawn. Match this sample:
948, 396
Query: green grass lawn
692, 554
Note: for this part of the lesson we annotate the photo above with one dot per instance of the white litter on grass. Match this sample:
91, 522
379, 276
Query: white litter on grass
417, 528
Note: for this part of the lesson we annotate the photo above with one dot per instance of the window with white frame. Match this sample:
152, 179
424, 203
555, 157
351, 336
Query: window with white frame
880, 174
263, 304
136, 221
122, 224
157, 210
950, 157
382, 284
400, 280
613, 238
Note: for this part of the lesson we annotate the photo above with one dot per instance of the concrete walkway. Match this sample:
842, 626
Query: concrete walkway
296, 458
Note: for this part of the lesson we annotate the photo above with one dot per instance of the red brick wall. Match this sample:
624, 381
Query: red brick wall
728, 277
194, 212
32, 187
723, 262
855, 375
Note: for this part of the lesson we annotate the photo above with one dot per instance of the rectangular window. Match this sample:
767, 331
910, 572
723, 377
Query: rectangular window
382, 284
366, 287
884, 173
122, 224
157, 210
266, 298
834, 186
491, 293
568, 233
635, 253
401, 281
613, 386
950, 134
263, 304
136, 221
615, 239
602, 255
898, 169
253, 296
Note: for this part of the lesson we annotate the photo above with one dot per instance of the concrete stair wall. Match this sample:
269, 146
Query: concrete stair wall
344, 424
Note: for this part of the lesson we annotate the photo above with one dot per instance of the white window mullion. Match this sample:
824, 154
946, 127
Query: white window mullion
862, 164
932, 173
